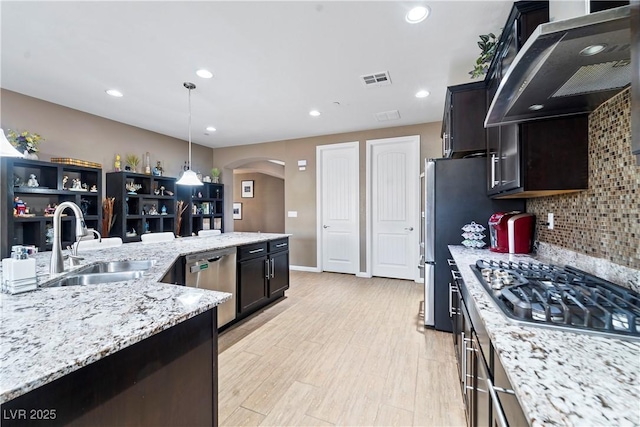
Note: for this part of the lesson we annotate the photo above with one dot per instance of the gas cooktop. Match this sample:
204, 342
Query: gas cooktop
561, 298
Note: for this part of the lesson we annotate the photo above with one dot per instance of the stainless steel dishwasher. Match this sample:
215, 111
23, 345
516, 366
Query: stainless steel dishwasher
215, 270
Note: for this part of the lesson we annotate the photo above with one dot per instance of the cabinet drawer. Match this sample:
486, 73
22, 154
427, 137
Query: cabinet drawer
252, 251
279, 245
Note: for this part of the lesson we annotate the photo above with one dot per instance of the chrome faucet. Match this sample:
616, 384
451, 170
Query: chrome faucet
74, 248
57, 261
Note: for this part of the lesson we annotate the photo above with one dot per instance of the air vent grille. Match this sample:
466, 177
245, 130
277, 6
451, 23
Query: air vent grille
385, 116
376, 79
597, 77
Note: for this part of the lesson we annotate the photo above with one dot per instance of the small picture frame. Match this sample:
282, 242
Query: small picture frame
237, 210
247, 189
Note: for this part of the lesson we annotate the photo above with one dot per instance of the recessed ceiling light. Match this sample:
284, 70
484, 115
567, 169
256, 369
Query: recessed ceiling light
417, 14
114, 92
592, 50
205, 74
314, 113
422, 94
536, 107
211, 129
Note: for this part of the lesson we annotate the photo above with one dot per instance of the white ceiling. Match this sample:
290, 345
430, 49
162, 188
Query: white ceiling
272, 62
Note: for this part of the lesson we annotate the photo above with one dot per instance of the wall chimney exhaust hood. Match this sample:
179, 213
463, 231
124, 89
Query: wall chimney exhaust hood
566, 67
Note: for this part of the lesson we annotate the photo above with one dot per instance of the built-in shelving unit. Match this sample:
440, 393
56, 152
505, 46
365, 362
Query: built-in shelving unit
204, 208
33, 228
150, 208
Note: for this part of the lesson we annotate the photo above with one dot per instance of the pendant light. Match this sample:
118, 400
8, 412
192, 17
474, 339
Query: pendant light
189, 177
6, 149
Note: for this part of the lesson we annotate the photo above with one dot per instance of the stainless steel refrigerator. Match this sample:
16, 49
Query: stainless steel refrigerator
455, 195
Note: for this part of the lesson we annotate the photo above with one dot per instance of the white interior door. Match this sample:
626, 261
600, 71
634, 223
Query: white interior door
339, 221
394, 185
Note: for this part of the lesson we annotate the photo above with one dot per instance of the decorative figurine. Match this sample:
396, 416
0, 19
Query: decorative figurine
49, 234
156, 191
147, 164
116, 165
199, 194
168, 193
64, 182
84, 206
85, 187
50, 210
153, 210
33, 182
132, 188
94, 189
76, 184
126, 206
157, 171
17, 181
19, 207
162, 190
146, 226
163, 210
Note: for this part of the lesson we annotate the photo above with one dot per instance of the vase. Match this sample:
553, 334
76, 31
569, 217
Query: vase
30, 156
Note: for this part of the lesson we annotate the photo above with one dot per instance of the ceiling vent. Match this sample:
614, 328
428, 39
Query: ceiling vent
385, 116
376, 79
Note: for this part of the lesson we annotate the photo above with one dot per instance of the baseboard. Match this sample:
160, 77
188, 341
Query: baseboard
303, 268
420, 280
364, 275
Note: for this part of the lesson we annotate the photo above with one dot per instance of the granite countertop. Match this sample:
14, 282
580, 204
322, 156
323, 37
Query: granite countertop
50, 332
560, 378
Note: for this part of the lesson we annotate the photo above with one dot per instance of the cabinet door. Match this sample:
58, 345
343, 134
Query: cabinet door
279, 276
509, 159
252, 283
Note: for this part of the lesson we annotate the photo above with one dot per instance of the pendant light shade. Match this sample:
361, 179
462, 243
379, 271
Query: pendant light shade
6, 149
189, 177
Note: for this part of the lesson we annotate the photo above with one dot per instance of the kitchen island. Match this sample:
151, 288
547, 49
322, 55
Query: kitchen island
560, 378
50, 333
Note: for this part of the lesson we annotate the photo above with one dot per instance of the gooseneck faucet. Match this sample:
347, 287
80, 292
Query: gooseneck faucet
57, 261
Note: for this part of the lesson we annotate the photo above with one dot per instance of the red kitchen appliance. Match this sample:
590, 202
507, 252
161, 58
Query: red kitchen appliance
511, 232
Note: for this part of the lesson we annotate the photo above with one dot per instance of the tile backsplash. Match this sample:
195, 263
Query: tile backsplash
604, 221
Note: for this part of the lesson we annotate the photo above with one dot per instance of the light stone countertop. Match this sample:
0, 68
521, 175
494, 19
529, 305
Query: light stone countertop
50, 332
560, 378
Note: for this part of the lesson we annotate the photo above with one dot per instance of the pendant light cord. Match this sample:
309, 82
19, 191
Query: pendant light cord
189, 128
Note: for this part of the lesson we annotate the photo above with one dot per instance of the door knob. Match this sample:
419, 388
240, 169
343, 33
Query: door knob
325, 226
409, 228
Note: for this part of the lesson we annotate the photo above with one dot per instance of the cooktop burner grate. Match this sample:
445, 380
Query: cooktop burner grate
561, 297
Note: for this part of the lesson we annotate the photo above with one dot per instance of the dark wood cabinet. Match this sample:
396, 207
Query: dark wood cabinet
35, 228
539, 158
253, 271
143, 204
204, 208
168, 379
463, 130
263, 274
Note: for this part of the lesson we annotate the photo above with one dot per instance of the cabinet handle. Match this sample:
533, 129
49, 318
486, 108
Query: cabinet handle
451, 262
255, 251
281, 245
273, 269
456, 275
452, 289
266, 264
502, 421
464, 364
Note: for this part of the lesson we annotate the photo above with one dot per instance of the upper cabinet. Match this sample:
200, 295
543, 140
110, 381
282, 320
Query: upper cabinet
462, 125
540, 158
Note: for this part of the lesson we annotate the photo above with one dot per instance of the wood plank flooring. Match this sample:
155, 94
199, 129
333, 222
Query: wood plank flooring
339, 350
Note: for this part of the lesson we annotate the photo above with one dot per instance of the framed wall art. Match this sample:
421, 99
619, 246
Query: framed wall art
237, 211
247, 189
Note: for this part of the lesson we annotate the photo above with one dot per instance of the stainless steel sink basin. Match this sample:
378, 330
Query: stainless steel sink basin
95, 278
117, 266
104, 272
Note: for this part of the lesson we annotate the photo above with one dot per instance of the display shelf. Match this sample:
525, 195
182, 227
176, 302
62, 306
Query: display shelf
204, 208
51, 190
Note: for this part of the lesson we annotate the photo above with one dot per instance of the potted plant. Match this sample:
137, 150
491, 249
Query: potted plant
487, 45
27, 142
215, 175
133, 161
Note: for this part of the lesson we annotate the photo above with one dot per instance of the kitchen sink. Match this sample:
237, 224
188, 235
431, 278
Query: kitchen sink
104, 272
118, 266
95, 278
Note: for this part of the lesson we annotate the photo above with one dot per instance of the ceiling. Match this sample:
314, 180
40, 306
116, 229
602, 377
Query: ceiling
272, 62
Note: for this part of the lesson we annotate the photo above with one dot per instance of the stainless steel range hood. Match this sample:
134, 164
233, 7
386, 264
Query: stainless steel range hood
566, 67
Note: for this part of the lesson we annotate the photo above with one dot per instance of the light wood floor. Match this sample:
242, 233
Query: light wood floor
339, 350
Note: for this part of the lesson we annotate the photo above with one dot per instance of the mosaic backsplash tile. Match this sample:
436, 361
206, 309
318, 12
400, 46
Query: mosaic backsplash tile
604, 221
